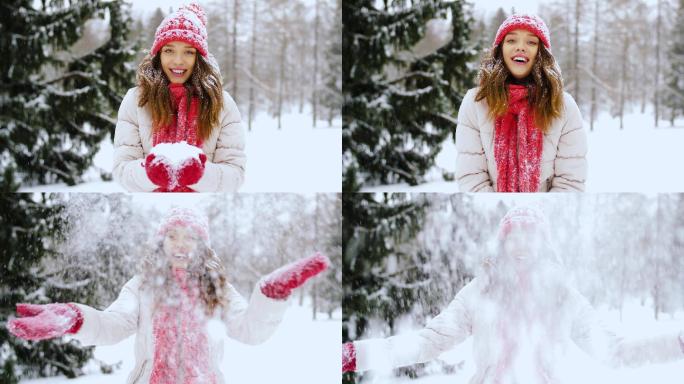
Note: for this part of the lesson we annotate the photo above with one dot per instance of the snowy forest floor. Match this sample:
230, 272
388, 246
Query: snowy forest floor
639, 158
296, 158
637, 323
317, 358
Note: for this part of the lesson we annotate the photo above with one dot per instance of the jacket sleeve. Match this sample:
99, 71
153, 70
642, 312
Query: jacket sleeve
451, 327
471, 160
254, 322
589, 333
115, 323
128, 151
227, 171
570, 165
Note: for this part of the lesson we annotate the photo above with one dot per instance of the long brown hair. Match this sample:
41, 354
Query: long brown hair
205, 83
206, 269
546, 86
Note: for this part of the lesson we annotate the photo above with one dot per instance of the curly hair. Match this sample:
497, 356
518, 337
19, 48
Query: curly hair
205, 83
546, 86
206, 269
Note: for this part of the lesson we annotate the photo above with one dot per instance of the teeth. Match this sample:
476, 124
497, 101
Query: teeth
520, 59
178, 71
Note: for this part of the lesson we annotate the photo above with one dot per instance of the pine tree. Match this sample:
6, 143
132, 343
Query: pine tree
29, 229
673, 97
331, 97
152, 24
101, 262
55, 107
494, 24
398, 109
378, 276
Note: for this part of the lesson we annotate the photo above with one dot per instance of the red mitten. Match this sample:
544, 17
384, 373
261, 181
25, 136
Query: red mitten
280, 283
39, 322
181, 188
160, 172
191, 170
348, 357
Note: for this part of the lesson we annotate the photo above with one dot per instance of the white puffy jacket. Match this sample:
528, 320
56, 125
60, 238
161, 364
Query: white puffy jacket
563, 161
469, 315
251, 323
225, 167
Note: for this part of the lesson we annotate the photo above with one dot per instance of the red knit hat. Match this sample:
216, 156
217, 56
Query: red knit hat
525, 217
530, 23
188, 218
187, 24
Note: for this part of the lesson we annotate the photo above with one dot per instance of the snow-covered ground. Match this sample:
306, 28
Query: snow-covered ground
301, 351
637, 323
639, 158
297, 158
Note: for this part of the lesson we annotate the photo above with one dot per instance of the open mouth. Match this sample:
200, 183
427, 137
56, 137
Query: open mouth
521, 59
179, 72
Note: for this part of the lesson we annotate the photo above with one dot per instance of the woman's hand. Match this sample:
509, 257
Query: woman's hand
39, 322
191, 170
348, 357
280, 283
160, 172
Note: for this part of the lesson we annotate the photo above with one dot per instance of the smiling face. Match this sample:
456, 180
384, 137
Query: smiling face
521, 247
180, 246
519, 51
178, 60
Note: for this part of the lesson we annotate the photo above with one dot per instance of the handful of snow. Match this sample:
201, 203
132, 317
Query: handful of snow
175, 154
175, 166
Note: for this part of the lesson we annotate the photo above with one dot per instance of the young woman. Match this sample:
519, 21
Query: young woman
528, 324
518, 131
181, 292
178, 131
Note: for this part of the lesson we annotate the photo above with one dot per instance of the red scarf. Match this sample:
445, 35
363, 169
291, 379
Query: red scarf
183, 126
517, 145
181, 344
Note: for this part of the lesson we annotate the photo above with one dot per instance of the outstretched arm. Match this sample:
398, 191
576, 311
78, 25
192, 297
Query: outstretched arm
590, 334
451, 327
254, 322
40, 322
84, 323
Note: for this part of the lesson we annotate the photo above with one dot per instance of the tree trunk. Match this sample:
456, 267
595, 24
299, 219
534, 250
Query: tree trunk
252, 69
236, 5
577, 52
594, 68
281, 82
656, 104
623, 82
314, 97
301, 74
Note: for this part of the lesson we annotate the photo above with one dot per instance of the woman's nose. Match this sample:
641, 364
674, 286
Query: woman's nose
177, 59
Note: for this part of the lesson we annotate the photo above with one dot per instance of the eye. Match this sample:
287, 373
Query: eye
531, 42
189, 52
